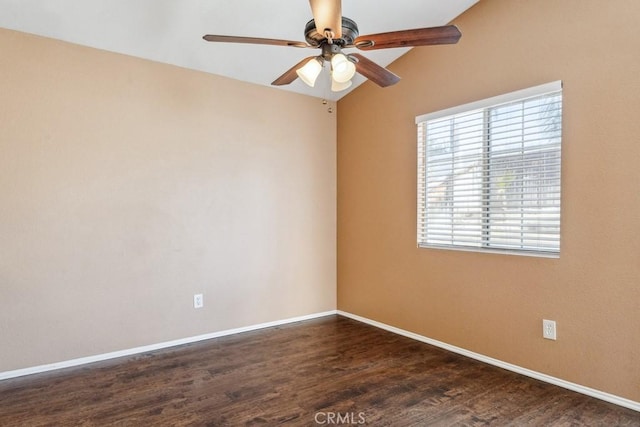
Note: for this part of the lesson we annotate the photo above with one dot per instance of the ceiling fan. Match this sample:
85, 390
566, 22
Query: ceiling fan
331, 32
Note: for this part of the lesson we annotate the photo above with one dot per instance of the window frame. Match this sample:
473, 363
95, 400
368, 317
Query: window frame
484, 106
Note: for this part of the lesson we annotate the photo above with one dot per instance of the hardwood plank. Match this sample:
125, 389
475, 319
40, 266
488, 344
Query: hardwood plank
296, 375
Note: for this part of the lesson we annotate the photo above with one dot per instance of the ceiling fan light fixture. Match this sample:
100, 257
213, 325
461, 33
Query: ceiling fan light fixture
342, 68
310, 71
338, 87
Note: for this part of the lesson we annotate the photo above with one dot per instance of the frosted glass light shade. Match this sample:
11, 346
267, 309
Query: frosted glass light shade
310, 71
343, 69
338, 86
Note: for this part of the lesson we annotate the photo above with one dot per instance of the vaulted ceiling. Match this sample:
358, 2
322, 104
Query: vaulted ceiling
170, 31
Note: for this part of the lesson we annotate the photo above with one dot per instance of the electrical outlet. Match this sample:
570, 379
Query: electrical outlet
549, 329
198, 301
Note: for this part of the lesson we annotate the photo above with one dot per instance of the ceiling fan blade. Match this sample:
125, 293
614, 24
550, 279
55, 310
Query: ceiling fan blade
290, 75
327, 15
449, 34
253, 40
374, 72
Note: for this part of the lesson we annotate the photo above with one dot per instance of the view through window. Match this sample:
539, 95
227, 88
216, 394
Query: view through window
489, 174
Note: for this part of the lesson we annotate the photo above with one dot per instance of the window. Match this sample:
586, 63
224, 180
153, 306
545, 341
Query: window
489, 174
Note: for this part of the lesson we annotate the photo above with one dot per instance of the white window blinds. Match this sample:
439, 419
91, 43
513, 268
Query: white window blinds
489, 174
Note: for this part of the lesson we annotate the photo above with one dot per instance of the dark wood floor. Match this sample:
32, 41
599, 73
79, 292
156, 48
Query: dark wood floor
329, 371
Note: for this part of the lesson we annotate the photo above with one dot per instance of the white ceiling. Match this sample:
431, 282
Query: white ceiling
171, 31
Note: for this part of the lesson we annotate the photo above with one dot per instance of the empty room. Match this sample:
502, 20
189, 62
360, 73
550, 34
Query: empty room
324, 212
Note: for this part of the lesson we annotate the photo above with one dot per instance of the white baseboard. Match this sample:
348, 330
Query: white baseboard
607, 397
137, 350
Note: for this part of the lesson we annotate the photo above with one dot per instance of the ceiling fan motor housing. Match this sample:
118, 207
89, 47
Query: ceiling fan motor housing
315, 38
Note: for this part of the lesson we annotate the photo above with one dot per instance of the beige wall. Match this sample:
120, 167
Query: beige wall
126, 186
493, 304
